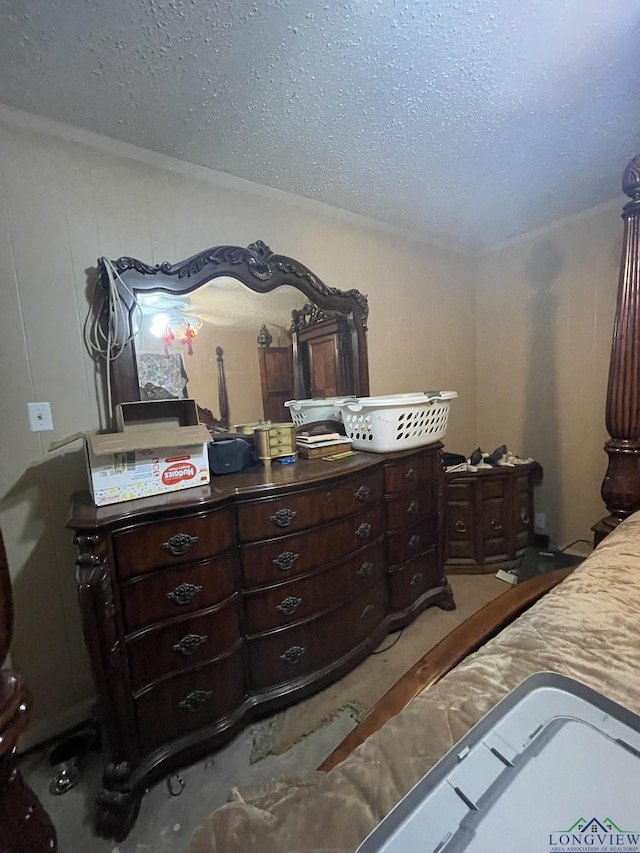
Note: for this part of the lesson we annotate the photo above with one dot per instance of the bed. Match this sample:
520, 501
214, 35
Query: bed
334, 808
581, 623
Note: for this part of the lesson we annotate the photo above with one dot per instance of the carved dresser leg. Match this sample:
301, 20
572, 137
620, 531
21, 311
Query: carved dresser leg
445, 599
118, 805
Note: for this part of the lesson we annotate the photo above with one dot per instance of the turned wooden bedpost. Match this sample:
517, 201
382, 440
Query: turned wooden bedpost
621, 485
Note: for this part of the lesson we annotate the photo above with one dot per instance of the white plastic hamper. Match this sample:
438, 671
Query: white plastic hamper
396, 422
321, 409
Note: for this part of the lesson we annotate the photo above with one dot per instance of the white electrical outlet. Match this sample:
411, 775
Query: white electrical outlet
40, 417
540, 521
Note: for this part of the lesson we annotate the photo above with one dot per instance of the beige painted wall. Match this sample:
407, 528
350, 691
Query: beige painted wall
545, 309
66, 198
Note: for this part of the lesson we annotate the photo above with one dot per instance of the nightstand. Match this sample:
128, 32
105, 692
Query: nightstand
489, 516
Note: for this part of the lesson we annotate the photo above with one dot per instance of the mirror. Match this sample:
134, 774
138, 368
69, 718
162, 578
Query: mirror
239, 330
181, 338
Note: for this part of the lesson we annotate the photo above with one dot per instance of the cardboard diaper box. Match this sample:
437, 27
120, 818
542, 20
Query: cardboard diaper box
159, 447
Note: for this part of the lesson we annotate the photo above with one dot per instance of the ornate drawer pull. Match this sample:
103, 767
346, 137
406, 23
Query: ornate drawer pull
364, 530
367, 611
286, 560
413, 508
460, 527
179, 544
289, 605
414, 543
195, 700
524, 515
412, 475
293, 654
496, 524
189, 644
365, 569
415, 580
184, 593
362, 494
283, 517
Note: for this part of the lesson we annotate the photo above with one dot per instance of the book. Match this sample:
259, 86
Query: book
325, 448
314, 438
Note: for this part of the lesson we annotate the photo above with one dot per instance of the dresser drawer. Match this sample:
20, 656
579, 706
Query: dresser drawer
290, 654
414, 578
175, 646
268, 562
275, 440
172, 708
407, 508
407, 472
185, 540
408, 543
177, 592
272, 516
281, 442
296, 600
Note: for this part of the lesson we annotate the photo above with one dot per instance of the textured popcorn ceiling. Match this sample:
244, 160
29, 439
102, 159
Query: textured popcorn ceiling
465, 120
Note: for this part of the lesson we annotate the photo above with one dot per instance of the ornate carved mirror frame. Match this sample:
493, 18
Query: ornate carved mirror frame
260, 270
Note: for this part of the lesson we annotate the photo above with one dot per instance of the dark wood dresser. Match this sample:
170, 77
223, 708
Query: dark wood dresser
489, 515
207, 607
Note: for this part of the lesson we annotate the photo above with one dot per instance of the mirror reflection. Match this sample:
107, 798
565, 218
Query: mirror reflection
181, 339
240, 330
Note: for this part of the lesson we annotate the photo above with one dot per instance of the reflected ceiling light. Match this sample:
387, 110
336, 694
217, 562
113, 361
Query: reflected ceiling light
182, 327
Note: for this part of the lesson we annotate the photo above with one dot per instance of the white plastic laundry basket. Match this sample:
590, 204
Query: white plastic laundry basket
322, 409
398, 421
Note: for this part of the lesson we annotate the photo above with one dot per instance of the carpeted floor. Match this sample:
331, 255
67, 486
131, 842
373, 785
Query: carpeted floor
358, 691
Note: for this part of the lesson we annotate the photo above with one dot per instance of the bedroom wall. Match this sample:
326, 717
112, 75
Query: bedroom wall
544, 318
68, 197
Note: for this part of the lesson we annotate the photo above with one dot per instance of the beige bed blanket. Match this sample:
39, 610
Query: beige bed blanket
587, 628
